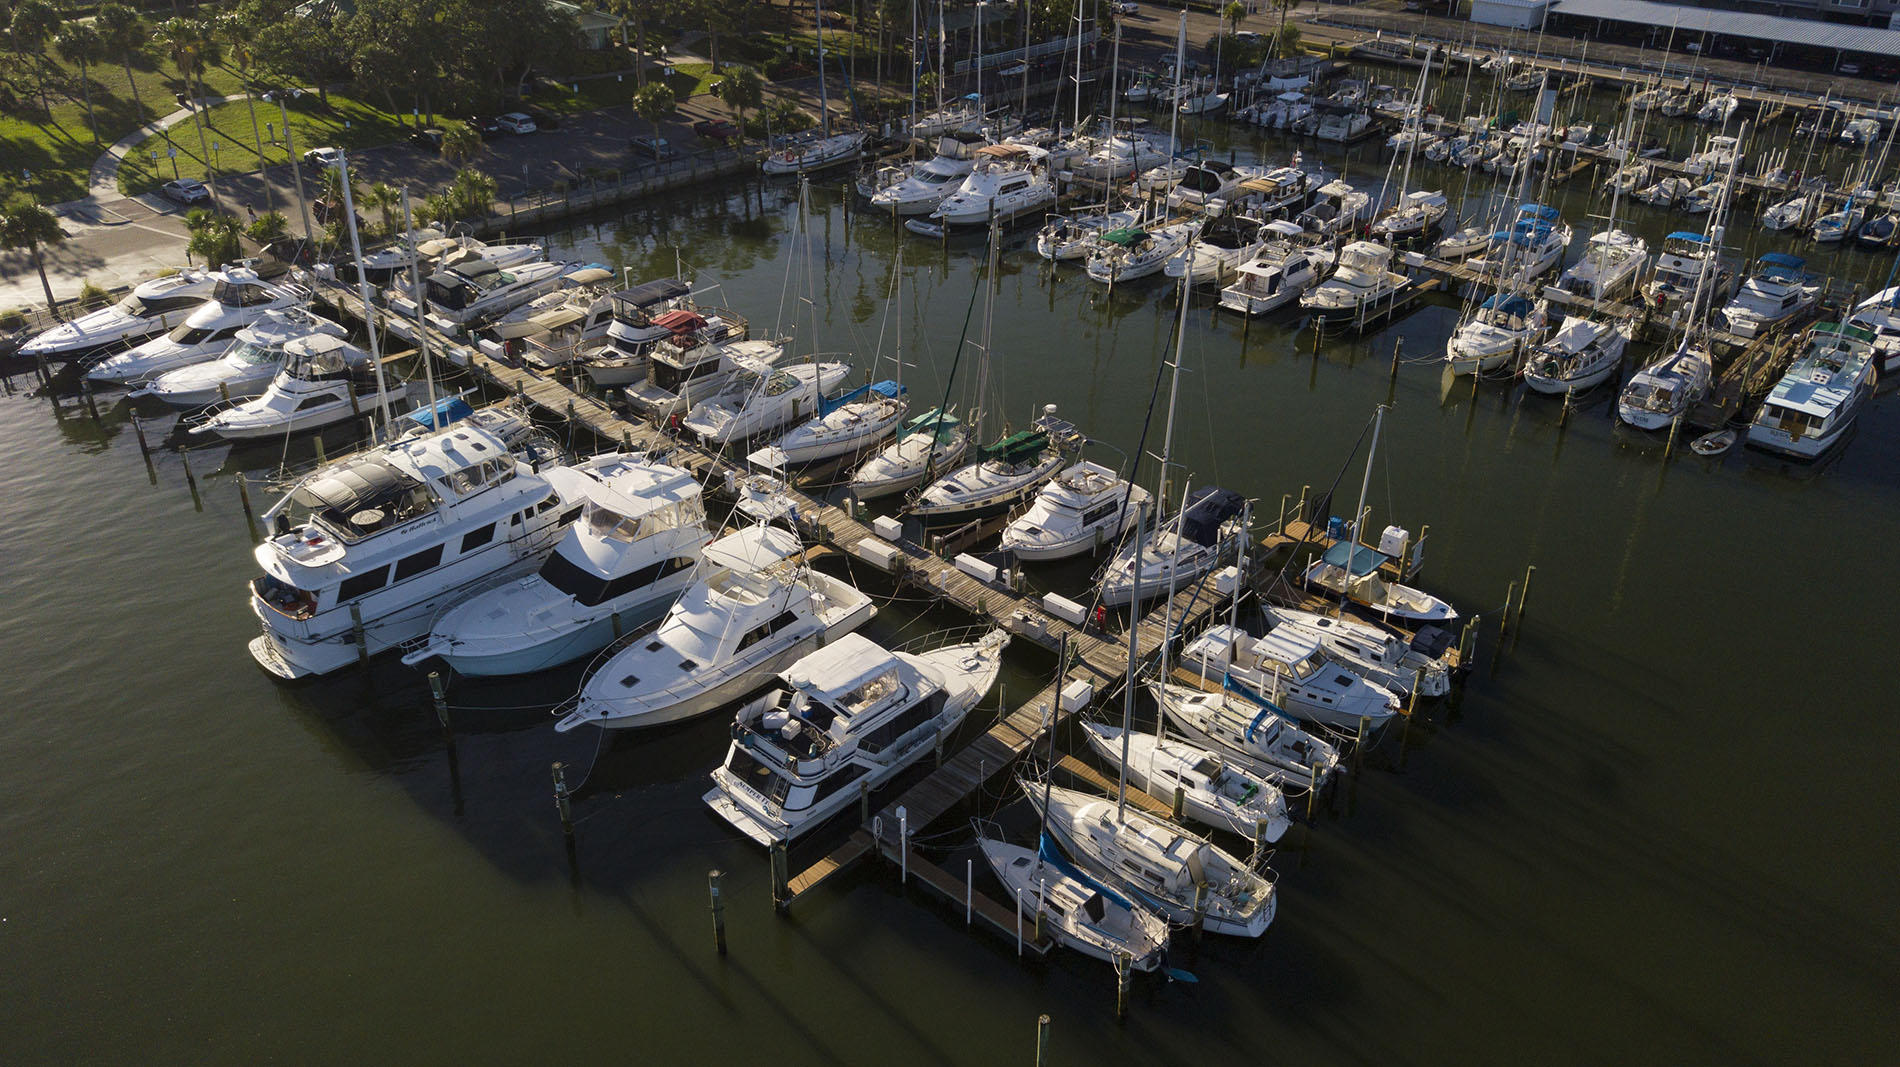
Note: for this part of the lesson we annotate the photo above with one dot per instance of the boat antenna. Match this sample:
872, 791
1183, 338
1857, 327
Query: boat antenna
363, 291
415, 286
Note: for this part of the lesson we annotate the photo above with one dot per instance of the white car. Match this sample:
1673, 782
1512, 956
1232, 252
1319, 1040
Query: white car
323, 157
1127, 7
516, 122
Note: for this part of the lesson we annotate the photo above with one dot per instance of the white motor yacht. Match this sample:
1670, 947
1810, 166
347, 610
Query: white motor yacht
1879, 315
1611, 264
1837, 226
1275, 277
756, 608
1076, 910
918, 189
640, 318
1666, 389
550, 329
1160, 865
1004, 473
1354, 572
1068, 237
1121, 256
1463, 243
1083, 509
631, 554
152, 307
843, 427
1718, 108
809, 152
1503, 327
1665, 193
1814, 404
1337, 210
1419, 215
1008, 183
1363, 290
764, 400
682, 375
927, 444
1213, 792
323, 380
457, 297
1190, 544
238, 298
1687, 263
1374, 652
1717, 155
1791, 213
1291, 667
849, 713
1582, 353
1249, 735
247, 367
1219, 248
367, 550
1208, 183
1281, 192
1780, 289
1118, 158
1339, 124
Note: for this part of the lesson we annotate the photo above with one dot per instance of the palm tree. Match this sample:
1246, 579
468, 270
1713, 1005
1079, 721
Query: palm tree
192, 49
214, 236
742, 91
385, 198
33, 23
653, 103
24, 224
77, 42
123, 34
1233, 14
460, 142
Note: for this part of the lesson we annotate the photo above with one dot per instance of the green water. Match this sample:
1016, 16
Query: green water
1657, 827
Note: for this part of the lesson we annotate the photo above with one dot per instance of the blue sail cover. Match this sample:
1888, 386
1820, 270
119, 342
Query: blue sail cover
1207, 509
447, 410
1783, 259
1685, 235
1538, 211
1509, 303
1050, 854
1267, 707
884, 388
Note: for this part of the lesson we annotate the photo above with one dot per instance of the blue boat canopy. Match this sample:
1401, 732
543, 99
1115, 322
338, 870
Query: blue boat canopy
1509, 303
1207, 508
1783, 259
884, 388
1364, 560
1539, 211
1684, 235
447, 410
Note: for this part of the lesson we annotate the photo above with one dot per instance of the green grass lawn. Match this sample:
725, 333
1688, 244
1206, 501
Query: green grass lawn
231, 140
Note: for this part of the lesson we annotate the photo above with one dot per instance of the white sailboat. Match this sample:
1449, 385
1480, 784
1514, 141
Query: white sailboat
1213, 792
1077, 911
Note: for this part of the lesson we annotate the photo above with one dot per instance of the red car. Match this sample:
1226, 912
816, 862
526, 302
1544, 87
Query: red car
715, 129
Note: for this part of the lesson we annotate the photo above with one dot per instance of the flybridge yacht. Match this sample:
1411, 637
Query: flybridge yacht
933, 441
1353, 571
634, 550
1879, 315
1583, 352
1282, 191
1160, 865
1126, 255
1008, 182
1505, 325
1666, 389
1612, 262
368, 549
1004, 473
1337, 210
756, 609
682, 374
1213, 792
1291, 667
247, 367
1374, 652
809, 152
1780, 289
763, 401
848, 713
238, 298
918, 188
1274, 277
1184, 548
1067, 237
1814, 404
1220, 247
1249, 734
647, 316
843, 426
152, 307
323, 380
1687, 262
1083, 509
1363, 290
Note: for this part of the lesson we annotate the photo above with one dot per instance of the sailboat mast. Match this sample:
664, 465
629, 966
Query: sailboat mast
1358, 514
363, 291
989, 312
916, 66
1174, 109
1128, 687
824, 98
415, 286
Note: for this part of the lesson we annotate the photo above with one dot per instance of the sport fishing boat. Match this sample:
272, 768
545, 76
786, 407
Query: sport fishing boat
1582, 353
1213, 792
1004, 473
1249, 734
931, 442
1503, 327
1121, 256
238, 298
152, 307
1181, 550
1069, 237
844, 426
1779, 289
1373, 652
247, 367
810, 152
1008, 183
1795, 211
631, 554
1814, 405
681, 375
1082, 510
918, 188
1666, 389
1719, 153
1612, 262
764, 401
1160, 865
1291, 667
1274, 278
323, 380
367, 550
1718, 108
1363, 291
1075, 910
848, 713
756, 608
1353, 571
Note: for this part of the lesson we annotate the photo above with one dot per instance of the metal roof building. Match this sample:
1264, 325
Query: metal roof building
1811, 33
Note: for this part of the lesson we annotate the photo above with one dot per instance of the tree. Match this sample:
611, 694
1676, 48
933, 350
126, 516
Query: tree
742, 91
33, 23
214, 236
461, 142
123, 34
385, 198
192, 48
1288, 43
77, 42
243, 40
268, 228
1233, 14
653, 103
472, 193
25, 225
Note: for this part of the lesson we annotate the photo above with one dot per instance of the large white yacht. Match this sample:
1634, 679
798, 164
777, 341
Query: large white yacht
247, 367
238, 298
1418, 215
1119, 157
1535, 243
1274, 277
918, 188
756, 609
323, 380
681, 375
1181, 550
1814, 404
846, 714
1206, 182
1220, 247
1213, 792
1363, 290
1004, 473
368, 549
1374, 652
1008, 182
151, 307
480, 289
1291, 667
1159, 864
1083, 509
1249, 734
635, 548
765, 400
642, 316
1779, 289
1336, 211
927, 444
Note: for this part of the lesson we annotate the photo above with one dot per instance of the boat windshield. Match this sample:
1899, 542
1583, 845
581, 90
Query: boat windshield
252, 354
610, 525
240, 294
869, 693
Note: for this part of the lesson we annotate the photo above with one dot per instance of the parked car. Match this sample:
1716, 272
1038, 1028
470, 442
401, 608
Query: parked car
517, 123
1127, 7
187, 191
651, 147
716, 129
486, 126
429, 139
323, 157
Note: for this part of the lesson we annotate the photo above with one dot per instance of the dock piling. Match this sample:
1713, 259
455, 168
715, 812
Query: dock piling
138, 428
1524, 593
1504, 616
439, 694
191, 480
1398, 348
1675, 427
322, 460
1042, 1040
969, 890
1019, 922
864, 804
1180, 801
903, 846
1123, 976
562, 804
718, 909
781, 879
244, 501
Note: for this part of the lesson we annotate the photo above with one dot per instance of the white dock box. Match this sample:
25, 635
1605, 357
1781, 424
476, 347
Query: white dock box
1076, 696
976, 568
1392, 541
1030, 624
1064, 608
888, 528
885, 556
1226, 579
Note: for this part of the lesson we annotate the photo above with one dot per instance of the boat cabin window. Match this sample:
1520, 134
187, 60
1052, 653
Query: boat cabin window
836, 781
362, 584
768, 782
760, 633
1344, 681
669, 377
902, 725
186, 334
1100, 512
416, 562
481, 475
870, 693
478, 538
241, 294
292, 601
589, 589
144, 307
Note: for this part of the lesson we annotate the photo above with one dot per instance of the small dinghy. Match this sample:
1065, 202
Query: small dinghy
1713, 444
